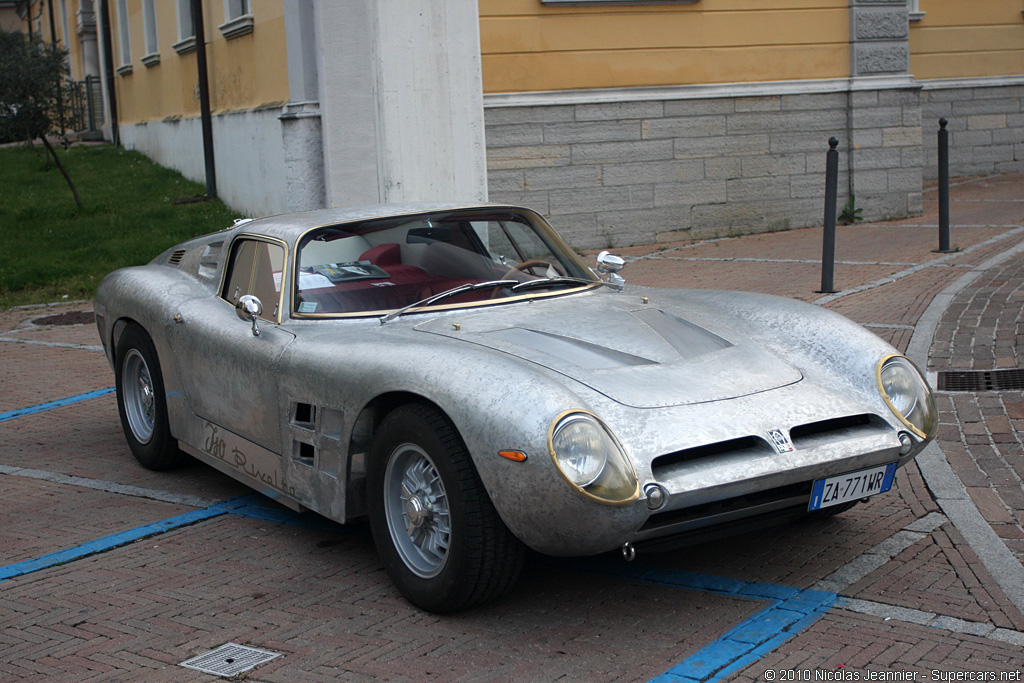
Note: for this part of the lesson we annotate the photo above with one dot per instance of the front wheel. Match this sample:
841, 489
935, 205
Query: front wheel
437, 532
141, 402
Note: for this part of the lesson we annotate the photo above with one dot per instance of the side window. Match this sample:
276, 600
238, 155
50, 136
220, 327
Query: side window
255, 268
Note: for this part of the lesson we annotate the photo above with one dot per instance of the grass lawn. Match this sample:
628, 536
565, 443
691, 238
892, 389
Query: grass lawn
50, 250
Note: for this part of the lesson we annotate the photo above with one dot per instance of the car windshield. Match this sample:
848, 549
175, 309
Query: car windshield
385, 264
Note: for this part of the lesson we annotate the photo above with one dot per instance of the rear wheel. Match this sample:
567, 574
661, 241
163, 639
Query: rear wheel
437, 532
141, 402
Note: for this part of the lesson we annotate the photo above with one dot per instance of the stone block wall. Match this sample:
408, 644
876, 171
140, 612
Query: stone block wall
632, 172
985, 124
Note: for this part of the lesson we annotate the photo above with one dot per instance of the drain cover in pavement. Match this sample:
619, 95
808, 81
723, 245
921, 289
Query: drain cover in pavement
229, 660
981, 380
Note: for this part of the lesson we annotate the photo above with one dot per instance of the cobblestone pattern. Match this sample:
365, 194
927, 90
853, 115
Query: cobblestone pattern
38, 517
940, 576
322, 599
845, 643
981, 431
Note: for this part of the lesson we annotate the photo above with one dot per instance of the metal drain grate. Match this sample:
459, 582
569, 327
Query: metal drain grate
980, 380
230, 660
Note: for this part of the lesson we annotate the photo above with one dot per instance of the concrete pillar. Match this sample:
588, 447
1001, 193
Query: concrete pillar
301, 130
401, 101
884, 156
86, 29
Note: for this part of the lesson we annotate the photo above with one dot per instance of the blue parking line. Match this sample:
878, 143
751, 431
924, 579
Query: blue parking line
124, 538
791, 610
10, 415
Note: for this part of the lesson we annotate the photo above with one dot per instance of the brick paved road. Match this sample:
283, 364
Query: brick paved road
900, 584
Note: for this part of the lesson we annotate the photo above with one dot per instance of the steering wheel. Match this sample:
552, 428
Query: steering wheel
526, 266
522, 267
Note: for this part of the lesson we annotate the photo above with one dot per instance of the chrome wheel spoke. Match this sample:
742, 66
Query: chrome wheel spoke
416, 505
139, 396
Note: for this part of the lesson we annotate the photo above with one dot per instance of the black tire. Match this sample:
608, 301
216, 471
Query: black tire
457, 553
142, 403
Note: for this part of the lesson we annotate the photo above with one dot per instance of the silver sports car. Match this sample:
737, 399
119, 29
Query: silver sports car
462, 378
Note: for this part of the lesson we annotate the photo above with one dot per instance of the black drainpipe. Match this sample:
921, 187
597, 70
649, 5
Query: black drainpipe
204, 97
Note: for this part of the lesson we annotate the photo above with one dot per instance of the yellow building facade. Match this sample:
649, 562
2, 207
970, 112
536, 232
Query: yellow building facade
625, 121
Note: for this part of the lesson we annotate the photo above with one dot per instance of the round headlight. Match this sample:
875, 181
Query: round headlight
591, 459
581, 449
908, 395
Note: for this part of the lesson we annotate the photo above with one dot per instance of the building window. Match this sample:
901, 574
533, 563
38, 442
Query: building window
238, 14
124, 38
186, 31
152, 56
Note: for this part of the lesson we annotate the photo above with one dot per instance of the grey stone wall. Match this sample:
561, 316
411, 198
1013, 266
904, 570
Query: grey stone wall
627, 173
986, 129
879, 37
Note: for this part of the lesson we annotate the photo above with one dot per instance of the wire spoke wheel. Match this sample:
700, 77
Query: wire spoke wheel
436, 530
141, 401
416, 505
139, 398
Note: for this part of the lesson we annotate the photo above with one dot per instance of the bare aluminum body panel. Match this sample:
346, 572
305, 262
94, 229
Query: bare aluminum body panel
670, 372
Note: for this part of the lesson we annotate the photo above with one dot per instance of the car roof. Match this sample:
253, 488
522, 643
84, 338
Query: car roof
290, 226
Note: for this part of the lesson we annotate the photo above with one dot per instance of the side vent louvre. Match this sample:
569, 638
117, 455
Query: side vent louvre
176, 257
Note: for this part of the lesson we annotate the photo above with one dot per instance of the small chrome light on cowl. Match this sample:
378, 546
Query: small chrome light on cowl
906, 443
655, 495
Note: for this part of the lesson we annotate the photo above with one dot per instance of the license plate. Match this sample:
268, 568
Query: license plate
852, 486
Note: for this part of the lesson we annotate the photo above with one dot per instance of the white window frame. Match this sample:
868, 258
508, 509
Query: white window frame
915, 10
152, 56
186, 30
238, 19
124, 38
603, 3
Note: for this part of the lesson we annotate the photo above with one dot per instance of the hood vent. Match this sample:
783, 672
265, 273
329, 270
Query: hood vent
176, 257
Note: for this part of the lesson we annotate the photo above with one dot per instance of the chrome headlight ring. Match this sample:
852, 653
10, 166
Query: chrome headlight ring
906, 392
589, 457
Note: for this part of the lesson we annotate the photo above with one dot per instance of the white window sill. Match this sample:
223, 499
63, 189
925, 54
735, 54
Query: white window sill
124, 69
598, 3
151, 59
916, 16
236, 28
185, 45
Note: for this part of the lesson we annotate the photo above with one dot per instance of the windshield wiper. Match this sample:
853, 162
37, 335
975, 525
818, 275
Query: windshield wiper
469, 287
558, 280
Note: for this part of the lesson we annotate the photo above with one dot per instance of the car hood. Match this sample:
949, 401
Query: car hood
645, 355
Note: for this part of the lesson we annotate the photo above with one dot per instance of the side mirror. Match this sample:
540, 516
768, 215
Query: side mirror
249, 308
610, 265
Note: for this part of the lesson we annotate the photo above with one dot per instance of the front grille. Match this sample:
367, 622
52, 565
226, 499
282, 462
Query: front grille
747, 445
981, 380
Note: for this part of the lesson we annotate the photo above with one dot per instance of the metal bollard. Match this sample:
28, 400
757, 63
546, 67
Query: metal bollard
828, 244
944, 247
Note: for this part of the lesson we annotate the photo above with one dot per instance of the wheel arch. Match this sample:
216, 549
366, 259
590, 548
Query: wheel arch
364, 428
